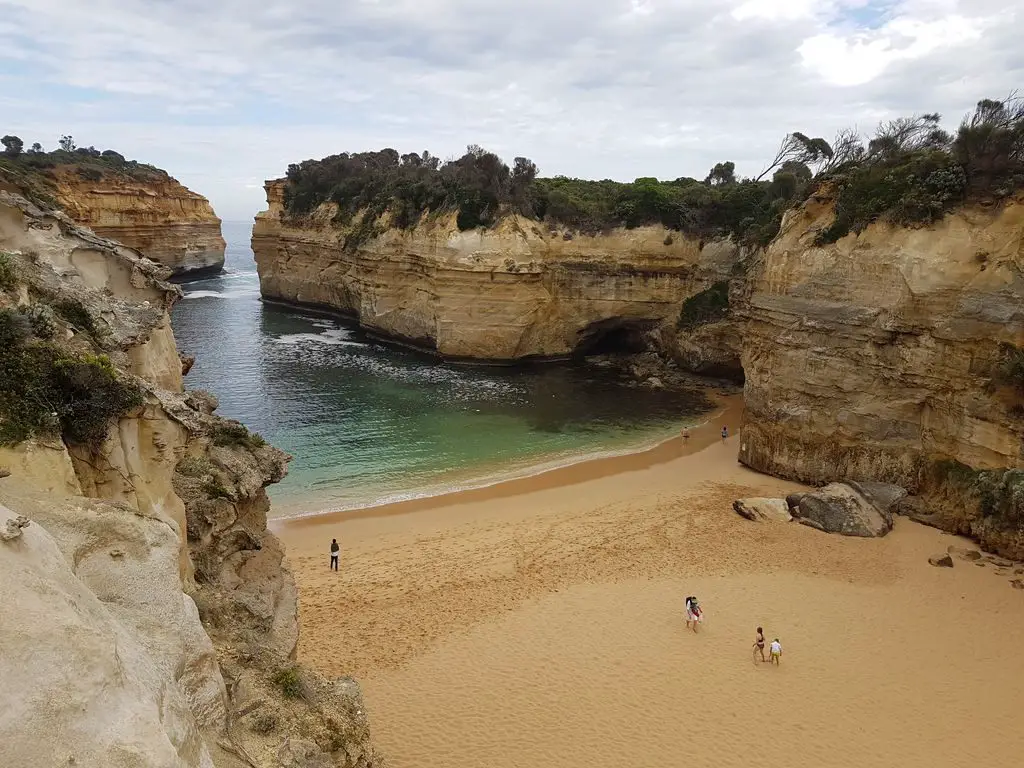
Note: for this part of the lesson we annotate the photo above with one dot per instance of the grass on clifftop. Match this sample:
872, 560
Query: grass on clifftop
47, 391
910, 172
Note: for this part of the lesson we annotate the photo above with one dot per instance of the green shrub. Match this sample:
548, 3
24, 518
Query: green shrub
1012, 368
77, 315
194, 466
233, 434
289, 680
216, 490
708, 306
264, 723
45, 391
8, 272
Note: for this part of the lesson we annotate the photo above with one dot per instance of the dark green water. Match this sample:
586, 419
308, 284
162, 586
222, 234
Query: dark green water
368, 423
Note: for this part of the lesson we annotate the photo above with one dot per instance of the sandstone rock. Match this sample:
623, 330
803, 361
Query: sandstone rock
1017, 583
451, 292
80, 687
4, 472
186, 363
964, 553
941, 561
297, 753
872, 356
839, 508
793, 500
654, 383
164, 220
760, 509
13, 527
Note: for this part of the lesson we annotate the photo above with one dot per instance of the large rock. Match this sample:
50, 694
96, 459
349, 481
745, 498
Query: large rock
762, 509
159, 216
840, 508
512, 291
89, 682
881, 353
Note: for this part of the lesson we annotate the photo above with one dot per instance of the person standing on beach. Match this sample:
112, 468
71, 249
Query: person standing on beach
685, 434
335, 550
775, 652
725, 432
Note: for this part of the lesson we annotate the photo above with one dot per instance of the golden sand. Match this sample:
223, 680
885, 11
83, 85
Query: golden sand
543, 626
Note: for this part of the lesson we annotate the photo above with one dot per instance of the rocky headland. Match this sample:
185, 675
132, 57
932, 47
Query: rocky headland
133, 203
149, 618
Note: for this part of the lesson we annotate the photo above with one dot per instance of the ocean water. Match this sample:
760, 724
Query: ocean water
369, 423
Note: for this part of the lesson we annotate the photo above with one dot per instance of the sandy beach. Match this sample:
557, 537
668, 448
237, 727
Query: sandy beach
542, 624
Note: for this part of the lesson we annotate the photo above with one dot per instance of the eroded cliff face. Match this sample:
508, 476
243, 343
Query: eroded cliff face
512, 292
884, 356
163, 219
146, 575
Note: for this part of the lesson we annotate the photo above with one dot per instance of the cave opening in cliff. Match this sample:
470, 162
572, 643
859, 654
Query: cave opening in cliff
614, 336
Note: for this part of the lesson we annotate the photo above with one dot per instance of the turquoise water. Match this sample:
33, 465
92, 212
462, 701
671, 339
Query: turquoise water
368, 423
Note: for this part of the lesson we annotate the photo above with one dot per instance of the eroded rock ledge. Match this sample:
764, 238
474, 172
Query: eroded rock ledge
516, 291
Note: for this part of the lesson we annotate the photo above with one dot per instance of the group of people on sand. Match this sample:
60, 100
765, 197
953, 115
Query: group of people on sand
695, 616
684, 433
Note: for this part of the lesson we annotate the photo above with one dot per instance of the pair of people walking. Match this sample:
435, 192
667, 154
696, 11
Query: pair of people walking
774, 650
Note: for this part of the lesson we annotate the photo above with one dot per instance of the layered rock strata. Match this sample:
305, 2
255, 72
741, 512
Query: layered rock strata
890, 356
516, 291
160, 217
149, 617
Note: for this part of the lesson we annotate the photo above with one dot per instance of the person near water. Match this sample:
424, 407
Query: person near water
775, 652
335, 550
759, 642
694, 614
725, 431
685, 434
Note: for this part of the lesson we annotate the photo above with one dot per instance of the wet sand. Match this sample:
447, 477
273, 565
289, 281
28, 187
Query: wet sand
544, 627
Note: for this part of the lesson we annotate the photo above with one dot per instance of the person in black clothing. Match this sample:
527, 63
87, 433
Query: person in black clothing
335, 549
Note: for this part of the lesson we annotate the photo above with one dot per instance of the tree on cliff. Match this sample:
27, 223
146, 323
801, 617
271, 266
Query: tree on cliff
722, 173
797, 147
12, 145
67, 143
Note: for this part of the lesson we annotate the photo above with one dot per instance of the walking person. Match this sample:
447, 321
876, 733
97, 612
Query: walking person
775, 652
335, 551
759, 642
725, 432
694, 614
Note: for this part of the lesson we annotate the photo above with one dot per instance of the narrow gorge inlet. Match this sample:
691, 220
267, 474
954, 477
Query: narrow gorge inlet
697, 442
369, 423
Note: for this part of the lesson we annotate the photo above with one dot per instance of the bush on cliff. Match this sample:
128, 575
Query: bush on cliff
912, 172
8, 273
708, 306
45, 390
480, 188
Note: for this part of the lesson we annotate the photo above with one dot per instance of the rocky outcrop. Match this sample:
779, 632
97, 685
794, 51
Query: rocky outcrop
158, 216
155, 595
845, 509
762, 509
516, 291
884, 356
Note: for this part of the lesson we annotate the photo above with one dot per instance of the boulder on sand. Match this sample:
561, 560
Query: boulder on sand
846, 509
762, 509
793, 500
941, 561
964, 553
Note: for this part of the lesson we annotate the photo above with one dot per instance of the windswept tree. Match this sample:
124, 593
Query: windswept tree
12, 145
67, 143
908, 134
990, 144
796, 147
722, 173
847, 147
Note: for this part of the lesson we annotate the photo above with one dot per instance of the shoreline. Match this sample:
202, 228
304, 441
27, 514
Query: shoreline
727, 408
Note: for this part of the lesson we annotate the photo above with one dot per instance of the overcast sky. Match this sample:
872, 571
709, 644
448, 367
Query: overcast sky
226, 93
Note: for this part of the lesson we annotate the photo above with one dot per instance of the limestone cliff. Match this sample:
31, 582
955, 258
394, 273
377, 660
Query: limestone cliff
889, 355
514, 291
158, 613
158, 216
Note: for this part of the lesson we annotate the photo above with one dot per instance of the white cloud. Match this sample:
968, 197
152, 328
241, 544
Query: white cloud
226, 94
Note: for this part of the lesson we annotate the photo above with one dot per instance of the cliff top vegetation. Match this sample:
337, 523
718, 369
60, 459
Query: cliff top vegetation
32, 169
910, 171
